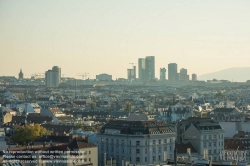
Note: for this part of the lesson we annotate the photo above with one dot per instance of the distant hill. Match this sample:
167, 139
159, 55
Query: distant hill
237, 74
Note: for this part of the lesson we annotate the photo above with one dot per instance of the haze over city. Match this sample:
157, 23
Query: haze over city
105, 36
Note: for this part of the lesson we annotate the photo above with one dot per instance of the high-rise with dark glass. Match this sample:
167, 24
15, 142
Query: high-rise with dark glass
172, 72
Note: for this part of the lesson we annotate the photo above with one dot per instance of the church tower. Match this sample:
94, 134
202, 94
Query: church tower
20, 75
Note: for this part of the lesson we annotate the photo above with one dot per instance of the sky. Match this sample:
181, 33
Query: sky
96, 36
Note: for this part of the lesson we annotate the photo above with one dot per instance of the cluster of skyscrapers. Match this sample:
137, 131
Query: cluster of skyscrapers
146, 71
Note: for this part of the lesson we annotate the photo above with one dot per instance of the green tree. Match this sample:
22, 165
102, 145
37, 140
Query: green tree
219, 94
79, 126
128, 107
25, 135
93, 105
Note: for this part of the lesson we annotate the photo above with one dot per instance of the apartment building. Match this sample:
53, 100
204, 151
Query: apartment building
207, 137
136, 142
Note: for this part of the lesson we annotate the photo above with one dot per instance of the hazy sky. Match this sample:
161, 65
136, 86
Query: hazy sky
105, 36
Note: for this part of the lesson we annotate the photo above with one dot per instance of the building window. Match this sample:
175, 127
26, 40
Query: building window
122, 142
215, 158
129, 142
146, 142
165, 148
214, 151
107, 140
204, 145
159, 158
153, 141
153, 150
137, 142
153, 158
170, 148
205, 137
214, 136
112, 141
146, 159
137, 151
209, 151
170, 140
137, 159
159, 141
210, 137
146, 151
214, 143
165, 141
117, 141
209, 144
89, 159
102, 140
89, 152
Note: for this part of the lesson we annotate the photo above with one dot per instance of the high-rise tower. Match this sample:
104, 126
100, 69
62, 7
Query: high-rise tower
162, 74
141, 68
172, 72
150, 67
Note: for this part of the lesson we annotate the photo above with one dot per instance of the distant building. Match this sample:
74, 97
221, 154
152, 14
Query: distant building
132, 73
20, 75
183, 75
51, 79
150, 67
162, 74
146, 68
141, 68
57, 69
137, 142
172, 72
104, 77
194, 77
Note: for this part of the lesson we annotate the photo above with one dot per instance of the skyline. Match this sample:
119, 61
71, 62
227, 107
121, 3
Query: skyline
104, 37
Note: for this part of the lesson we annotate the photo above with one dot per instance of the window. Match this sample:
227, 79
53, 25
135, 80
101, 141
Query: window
107, 148
165, 148
146, 151
204, 145
209, 144
159, 141
146, 142
159, 158
215, 158
89, 152
117, 141
170, 148
159, 149
214, 151
129, 150
107, 140
153, 141
214, 136
153, 150
209, 151
210, 137
112, 141
129, 142
165, 141
170, 140
89, 159
205, 137
146, 160
153, 158
214, 143
102, 140
219, 143
137, 142
137, 159
137, 151
123, 142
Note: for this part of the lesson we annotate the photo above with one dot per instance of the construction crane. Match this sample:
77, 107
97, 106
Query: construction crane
84, 75
132, 64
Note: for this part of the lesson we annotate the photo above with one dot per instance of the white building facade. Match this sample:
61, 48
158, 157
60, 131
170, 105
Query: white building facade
136, 142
